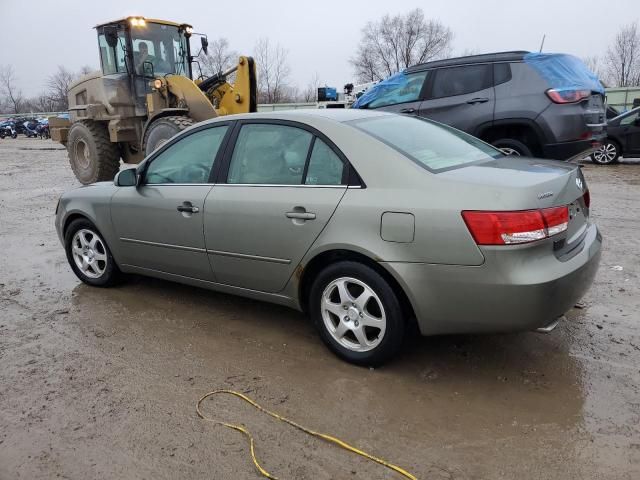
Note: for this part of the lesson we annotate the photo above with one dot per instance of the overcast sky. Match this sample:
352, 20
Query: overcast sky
320, 36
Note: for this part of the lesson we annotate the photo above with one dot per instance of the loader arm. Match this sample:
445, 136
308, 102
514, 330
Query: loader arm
239, 97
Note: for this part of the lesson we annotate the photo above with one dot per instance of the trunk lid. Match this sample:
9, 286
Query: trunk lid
518, 183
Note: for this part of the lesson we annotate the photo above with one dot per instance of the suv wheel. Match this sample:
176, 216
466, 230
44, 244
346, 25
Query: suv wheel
607, 154
357, 313
509, 146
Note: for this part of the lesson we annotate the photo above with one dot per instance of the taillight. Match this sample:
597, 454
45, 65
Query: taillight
587, 199
508, 228
567, 96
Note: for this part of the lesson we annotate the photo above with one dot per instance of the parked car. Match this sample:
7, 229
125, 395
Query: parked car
367, 221
530, 104
623, 138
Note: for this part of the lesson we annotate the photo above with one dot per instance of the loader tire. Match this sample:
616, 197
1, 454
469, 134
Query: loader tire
92, 156
163, 129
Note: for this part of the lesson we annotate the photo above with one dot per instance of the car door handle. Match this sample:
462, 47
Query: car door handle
473, 101
301, 215
186, 207
408, 110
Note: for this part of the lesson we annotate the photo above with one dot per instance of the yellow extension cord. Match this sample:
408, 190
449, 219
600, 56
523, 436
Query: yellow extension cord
308, 431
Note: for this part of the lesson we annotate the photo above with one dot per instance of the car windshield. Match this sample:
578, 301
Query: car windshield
162, 46
434, 146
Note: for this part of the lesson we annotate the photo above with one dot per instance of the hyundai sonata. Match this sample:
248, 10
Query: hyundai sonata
367, 221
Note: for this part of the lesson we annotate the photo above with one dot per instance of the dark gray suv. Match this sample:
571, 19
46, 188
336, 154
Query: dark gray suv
531, 104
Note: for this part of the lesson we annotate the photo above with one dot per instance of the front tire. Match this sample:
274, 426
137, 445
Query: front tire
92, 156
357, 313
89, 256
162, 130
607, 154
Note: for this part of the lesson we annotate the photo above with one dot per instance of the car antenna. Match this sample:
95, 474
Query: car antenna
542, 43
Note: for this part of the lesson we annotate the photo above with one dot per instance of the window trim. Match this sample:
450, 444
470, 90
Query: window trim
216, 161
349, 174
428, 93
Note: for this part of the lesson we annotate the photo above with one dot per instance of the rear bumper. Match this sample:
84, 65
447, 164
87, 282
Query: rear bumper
511, 291
572, 150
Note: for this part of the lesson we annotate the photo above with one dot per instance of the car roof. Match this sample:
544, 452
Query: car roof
339, 115
512, 56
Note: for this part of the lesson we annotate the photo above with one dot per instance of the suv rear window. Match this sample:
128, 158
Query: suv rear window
431, 145
461, 80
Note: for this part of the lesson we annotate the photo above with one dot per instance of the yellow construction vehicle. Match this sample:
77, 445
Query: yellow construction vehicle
145, 94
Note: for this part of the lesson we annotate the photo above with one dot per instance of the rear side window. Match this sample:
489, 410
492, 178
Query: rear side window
433, 146
501, 73
453, 81
269, 154
325, 167
407, 90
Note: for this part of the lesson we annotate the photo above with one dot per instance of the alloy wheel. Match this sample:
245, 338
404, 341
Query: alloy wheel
353, 314
89, 253
607, 153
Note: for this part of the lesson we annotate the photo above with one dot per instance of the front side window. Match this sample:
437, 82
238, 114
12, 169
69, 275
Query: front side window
453, 81
112, 58
189, 160
433, 146
269, 154
406, 89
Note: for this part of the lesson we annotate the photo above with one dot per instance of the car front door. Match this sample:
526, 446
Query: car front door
462, 97
630, 127
159, 223
282, 185
404, 95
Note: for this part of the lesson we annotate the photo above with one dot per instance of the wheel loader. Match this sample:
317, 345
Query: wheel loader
145, 94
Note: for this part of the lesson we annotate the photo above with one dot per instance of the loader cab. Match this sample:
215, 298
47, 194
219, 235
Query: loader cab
145, 47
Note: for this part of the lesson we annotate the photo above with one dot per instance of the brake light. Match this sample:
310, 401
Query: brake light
567, 96
587, 199
508, 228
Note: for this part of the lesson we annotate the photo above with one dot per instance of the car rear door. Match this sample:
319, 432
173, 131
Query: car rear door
159, 223
281, 186
462, 97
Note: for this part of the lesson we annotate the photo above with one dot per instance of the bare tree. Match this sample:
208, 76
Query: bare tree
219, 57
9, 91
396, 42
273, 72
623, 57
87, 69
310, 93
58, 86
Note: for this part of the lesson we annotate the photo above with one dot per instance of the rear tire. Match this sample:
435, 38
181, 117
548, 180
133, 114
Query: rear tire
92, 155
357, 313
162, 130
89, 256
510, 146
607, 154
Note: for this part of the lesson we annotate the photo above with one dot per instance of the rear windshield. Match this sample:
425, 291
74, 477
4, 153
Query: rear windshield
432, 145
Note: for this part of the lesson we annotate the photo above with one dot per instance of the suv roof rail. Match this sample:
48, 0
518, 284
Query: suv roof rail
515, 55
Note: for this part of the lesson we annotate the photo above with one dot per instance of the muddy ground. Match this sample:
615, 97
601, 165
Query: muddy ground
102, 383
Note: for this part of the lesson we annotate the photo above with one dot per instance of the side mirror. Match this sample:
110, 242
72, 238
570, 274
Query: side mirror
205, 44
126, 178
636, 122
